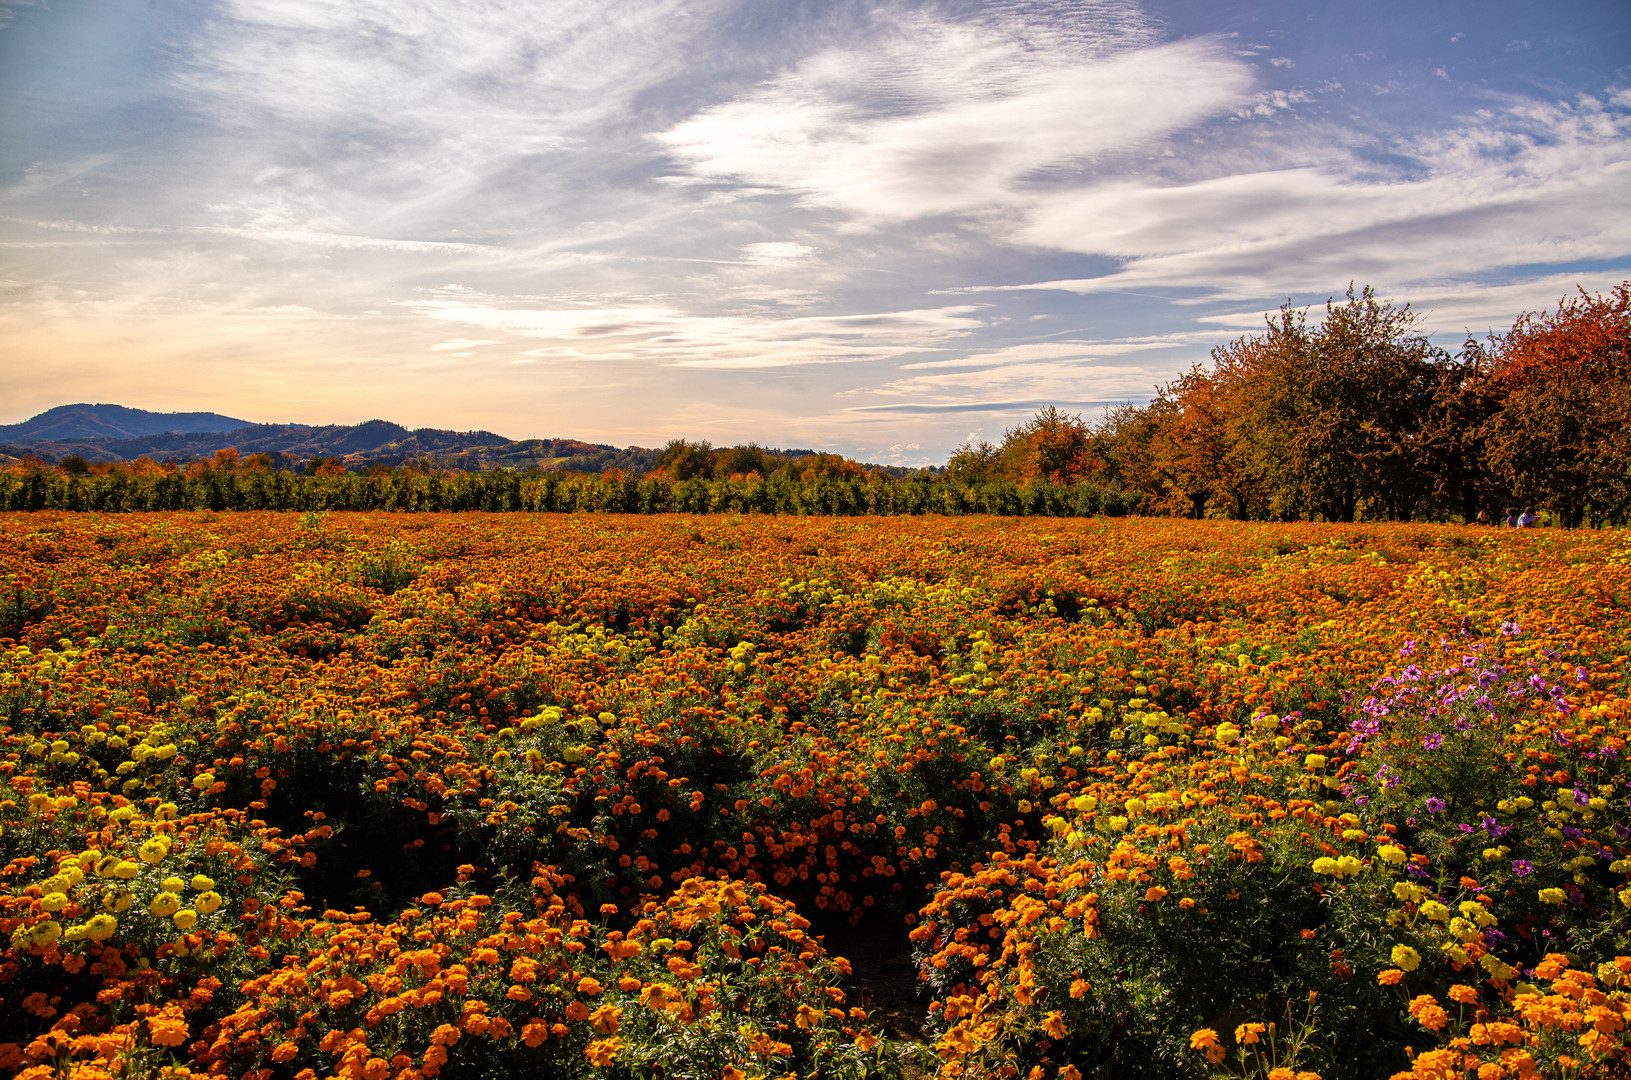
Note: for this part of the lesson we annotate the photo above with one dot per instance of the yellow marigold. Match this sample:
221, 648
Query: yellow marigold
1553, 896
54, 901
154, 851
1405, 958
207, 902
101, 926
165, 904
202, 883
184, 919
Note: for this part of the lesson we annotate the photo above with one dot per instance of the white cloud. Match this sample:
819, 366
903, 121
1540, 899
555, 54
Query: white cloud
951, 118
674, 338
1531, 185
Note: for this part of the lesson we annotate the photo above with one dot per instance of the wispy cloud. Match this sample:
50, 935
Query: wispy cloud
1524, 186
673, 338
940, 118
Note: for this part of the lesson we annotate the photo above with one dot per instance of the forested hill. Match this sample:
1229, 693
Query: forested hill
82, 421
98, 434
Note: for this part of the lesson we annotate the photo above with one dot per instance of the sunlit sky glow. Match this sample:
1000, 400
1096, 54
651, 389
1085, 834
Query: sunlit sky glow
877, 228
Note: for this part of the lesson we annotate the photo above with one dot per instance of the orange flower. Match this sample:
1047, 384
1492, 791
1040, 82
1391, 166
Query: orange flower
601, 1052
1206, 1039
1246, 1034
606, 1018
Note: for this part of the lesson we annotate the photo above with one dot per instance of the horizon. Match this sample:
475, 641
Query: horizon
877, 230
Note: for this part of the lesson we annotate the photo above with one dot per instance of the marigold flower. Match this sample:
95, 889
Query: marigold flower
606, 1019
602, 1052
1405, 958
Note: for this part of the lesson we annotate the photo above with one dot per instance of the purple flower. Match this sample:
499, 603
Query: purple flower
1522, 867
1432, 742
1510, 628
1435, 805
1409, 649
1560, 738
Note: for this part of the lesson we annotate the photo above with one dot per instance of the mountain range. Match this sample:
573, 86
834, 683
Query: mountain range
108, 433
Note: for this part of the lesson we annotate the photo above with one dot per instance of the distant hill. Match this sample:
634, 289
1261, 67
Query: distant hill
98, 434
108, 433
112, 422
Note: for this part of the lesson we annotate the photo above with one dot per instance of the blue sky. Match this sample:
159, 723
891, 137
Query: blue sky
880, 228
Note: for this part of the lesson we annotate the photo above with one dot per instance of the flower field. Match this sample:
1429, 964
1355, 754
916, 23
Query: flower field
401, 796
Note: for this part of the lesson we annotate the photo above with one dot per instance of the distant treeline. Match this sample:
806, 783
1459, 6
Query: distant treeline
1357, 417
206, 487
1361, 417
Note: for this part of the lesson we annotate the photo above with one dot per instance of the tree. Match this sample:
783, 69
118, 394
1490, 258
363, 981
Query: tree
975, 463
683, 460
1331, 416
1562, 437
1053, 446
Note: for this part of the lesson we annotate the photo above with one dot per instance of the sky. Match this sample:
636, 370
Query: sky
880, 228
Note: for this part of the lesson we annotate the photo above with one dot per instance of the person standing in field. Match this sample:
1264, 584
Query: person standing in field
1482, 518
1511, 518
1528, 520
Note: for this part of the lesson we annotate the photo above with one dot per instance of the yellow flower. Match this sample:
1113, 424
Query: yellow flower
172, 884
184, 919
154, 851
165, 904
201, 883
125, 869
1406, 958
1553, 896
101, 926
207, 902
1392, 853
53, 901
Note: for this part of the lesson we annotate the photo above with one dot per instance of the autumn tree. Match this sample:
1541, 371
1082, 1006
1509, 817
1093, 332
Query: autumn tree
1562, 436
682, 460
1053, 446
1330, 416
